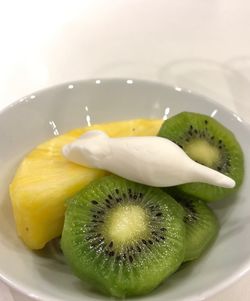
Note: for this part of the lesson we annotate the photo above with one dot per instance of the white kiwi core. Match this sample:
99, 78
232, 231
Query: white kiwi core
203, 152
126, 223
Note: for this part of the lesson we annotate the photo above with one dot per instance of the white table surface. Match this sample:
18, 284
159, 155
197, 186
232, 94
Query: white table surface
203, 46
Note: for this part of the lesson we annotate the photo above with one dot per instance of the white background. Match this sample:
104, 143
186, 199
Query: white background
200, 45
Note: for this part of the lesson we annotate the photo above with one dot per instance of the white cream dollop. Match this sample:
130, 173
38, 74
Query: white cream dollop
152, 161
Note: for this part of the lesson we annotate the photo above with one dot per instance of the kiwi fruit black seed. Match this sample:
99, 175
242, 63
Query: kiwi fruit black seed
123, 238
208, 142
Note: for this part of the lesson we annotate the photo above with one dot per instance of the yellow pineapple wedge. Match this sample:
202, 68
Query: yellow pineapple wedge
45, 179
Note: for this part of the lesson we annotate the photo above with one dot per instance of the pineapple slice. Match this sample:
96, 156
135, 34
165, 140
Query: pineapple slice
45, 179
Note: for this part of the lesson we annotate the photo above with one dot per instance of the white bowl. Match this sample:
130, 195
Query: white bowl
46, 113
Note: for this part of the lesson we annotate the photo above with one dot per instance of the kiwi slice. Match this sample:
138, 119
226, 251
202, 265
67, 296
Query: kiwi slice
202, 226
208, 142
123, 238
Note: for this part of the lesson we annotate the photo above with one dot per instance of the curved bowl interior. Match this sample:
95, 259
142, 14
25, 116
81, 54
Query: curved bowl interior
53, 111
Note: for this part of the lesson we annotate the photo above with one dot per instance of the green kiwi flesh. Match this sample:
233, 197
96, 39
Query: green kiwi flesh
202, 226
123, 238
209, 143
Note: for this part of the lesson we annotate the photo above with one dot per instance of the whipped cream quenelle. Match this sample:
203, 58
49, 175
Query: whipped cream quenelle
152, 161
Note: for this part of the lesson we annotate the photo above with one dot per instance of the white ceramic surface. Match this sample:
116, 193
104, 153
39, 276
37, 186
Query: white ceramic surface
50, 112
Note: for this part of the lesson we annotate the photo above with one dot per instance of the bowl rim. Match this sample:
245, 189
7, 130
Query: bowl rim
40, 296
108, 80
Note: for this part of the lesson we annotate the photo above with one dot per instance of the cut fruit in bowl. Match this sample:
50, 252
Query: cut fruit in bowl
58, 110
45, 179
